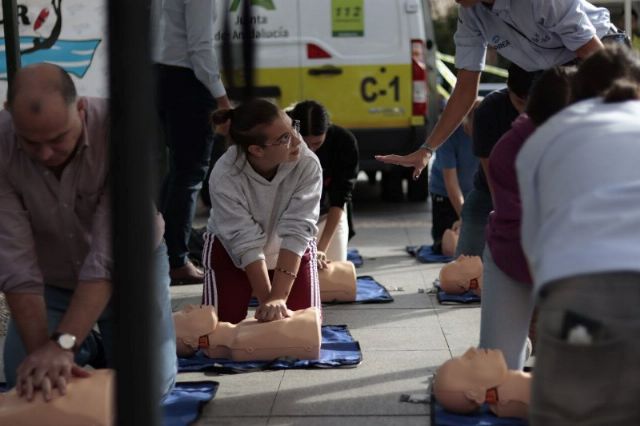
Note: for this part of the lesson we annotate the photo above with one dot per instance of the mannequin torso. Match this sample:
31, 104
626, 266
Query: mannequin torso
298, 336
338, 282
88, 402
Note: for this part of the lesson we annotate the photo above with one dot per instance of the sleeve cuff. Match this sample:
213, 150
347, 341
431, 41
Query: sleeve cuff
218, 90
296, 245
251, 256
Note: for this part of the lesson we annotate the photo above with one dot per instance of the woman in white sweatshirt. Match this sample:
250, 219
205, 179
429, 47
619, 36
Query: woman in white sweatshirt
265, 192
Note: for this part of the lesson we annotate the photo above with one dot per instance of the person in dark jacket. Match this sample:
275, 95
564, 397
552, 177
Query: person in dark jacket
337, 150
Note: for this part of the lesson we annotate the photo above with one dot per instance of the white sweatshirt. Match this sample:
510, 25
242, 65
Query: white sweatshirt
580, 189
254, 217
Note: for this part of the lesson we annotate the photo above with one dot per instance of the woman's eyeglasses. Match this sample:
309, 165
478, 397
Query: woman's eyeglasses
286, 139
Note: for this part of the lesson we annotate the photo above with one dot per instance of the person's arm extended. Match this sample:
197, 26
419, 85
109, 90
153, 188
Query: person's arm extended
333, 219
589, 47
461, 100
285, 272
452, 185
29, 314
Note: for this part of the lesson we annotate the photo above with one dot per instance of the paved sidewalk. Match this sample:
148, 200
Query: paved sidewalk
402, 342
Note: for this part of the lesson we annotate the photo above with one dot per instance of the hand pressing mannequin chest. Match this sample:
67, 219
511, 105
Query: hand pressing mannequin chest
338, 282
461, 275
462, 384
298, 336
88, 402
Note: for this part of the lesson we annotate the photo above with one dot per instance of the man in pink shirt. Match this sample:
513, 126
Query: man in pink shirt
55, 234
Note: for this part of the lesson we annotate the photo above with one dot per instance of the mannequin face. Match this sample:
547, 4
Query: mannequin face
463, 274
461, 383
191, 322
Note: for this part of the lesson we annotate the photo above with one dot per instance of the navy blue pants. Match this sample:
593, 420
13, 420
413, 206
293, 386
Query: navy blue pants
184, 105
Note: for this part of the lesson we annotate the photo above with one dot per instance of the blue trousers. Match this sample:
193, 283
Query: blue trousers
475, 213
184, 105
97, 348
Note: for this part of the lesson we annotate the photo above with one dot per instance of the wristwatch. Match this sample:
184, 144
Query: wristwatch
65, 340
428, 148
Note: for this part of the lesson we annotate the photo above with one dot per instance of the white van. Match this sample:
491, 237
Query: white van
363, 59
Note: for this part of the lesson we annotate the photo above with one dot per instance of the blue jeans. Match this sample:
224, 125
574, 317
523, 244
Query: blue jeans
97, 348
184, 105
475, 214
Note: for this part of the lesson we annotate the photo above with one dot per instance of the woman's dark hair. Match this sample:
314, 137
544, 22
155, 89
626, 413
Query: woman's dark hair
246, 121
599, 74
549, 94
314, 118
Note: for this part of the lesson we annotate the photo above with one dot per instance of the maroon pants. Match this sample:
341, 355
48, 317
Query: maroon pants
227, 287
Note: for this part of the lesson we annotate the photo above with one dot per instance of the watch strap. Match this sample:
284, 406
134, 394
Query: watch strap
428, 148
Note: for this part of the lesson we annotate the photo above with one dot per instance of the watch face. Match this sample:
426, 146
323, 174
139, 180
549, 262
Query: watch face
67, 341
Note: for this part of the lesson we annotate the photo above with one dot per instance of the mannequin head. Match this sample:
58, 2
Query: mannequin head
191, 322
461, 275
461, 383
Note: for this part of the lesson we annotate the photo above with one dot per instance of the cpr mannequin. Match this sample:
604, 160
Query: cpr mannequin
298, 336
461, 275
338, 282
88, 402
462, 384
450, 241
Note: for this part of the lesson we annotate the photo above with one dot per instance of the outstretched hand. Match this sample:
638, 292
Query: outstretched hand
47, 368
417, 159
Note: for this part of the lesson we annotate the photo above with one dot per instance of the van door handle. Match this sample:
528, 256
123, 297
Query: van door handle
327, 70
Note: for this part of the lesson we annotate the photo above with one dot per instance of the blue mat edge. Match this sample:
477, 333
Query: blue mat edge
200, 404
433, 409
476, 299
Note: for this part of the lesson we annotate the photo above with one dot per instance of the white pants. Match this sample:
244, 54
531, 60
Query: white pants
337, 250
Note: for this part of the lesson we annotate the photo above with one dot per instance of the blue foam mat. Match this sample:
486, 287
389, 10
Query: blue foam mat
454, 299
184, 404
425, 254
368, 290
354, 256
484, 417
338, 349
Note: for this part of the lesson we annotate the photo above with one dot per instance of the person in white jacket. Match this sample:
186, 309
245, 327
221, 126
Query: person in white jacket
265, 192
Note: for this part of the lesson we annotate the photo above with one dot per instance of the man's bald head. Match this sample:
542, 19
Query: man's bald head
33, 83
47, 116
